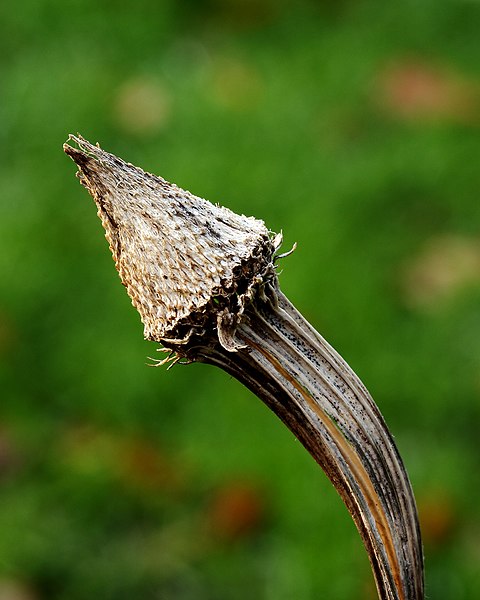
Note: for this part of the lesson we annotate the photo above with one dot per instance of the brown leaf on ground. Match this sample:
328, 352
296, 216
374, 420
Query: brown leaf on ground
417, 91
142, 465
445, 267
438, 518
236, 510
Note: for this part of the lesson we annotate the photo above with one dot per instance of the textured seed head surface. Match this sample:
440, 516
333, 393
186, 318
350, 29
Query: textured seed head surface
178, 255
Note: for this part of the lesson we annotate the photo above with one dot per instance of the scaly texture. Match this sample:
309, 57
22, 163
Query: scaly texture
182, 259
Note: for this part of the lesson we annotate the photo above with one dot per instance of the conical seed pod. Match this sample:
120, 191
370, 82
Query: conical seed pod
203, 280
183, 260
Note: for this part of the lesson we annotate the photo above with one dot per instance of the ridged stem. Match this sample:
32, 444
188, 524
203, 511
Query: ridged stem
317, 395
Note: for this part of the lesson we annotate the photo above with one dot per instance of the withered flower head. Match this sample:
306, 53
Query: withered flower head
183, 260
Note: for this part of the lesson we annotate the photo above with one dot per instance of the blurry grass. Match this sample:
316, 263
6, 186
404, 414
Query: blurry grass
274, 111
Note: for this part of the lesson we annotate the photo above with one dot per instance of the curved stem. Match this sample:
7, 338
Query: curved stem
316, 394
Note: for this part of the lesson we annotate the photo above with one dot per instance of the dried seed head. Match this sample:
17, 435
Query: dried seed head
188, 265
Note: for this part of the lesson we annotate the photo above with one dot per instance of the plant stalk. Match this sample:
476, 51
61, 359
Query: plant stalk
316, 394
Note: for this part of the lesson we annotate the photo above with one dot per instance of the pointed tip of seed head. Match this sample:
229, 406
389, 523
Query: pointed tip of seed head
83, 144
75, 152
83, 152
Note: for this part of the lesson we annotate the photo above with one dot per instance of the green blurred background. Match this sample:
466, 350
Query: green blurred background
352, 126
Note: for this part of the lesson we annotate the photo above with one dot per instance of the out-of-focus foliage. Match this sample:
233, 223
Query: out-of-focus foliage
352, 126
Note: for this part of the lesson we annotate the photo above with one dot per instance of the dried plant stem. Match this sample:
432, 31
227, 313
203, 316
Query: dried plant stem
212, 296
321, 400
